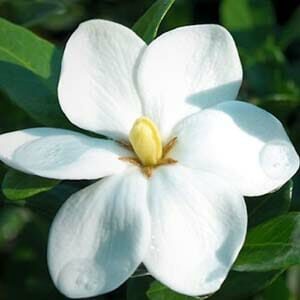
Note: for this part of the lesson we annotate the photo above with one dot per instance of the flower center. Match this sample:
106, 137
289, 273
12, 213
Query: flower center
146, 141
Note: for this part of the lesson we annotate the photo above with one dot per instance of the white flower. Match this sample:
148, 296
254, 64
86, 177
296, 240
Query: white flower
177, 204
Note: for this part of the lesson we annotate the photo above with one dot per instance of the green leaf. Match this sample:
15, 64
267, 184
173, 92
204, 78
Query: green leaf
19, 186
24, 273
296, 193
291, 31
239, 285
2, 170
282, 109
278, 290
272, 245
12, 222
250, 21
293, 279
247, 14
29, 74
158, 291
12, 117
147, 26
137, 287
261, 209
47, 204
33, 12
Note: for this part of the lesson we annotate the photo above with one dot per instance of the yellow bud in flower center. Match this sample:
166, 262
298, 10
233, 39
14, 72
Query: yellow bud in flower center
146, 141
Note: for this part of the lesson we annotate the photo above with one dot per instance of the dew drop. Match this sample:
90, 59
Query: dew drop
87, 282
81, 277
278, 160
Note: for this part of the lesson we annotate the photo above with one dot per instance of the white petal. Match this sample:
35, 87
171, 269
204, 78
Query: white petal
186, 70
198, 227
241, 142
96, 87
100, 236
61, 154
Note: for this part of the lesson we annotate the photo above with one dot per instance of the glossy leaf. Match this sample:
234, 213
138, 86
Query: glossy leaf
47, 204
261, 209
147, 26
30, 68
242, 285
19, 186
158, 291
272, 245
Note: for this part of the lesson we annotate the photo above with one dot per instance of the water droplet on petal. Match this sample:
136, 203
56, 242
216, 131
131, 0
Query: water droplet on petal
81, 278
87, 282
278, 159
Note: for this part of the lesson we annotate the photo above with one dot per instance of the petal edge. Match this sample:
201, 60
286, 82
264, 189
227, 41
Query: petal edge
100, 236
188, 69
198, 227
96, 87
61, 154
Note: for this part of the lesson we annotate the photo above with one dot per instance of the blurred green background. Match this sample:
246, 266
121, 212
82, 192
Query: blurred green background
267, 34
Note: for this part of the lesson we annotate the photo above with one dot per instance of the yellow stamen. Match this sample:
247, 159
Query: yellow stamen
146, 141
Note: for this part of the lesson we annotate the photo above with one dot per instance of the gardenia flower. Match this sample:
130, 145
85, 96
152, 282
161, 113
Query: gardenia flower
182, 154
